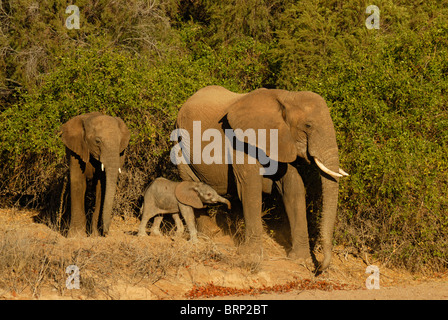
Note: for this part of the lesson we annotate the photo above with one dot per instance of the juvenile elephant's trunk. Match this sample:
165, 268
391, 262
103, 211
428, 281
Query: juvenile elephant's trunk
217, 198
224, 200
112, 170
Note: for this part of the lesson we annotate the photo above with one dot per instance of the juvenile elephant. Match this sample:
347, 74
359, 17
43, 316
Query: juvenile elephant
95, 145
301, 128
165, 196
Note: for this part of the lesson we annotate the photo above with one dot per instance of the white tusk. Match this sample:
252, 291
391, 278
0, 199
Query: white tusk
343, 172
119, 170
326, 170
102, 167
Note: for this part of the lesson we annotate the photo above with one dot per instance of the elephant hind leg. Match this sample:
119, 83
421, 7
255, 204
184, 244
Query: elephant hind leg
155, 228
147, 213
186, 173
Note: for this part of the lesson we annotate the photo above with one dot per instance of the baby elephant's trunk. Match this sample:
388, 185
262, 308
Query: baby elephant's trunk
224, 200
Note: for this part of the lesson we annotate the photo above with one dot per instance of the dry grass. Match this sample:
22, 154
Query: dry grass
33, 259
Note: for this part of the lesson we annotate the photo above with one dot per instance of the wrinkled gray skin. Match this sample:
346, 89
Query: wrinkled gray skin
95, 145
305, 130
165, 196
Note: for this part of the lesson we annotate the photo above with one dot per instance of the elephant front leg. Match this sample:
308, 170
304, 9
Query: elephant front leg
77, 198
293, 192
188, 214
147, 213
179, 225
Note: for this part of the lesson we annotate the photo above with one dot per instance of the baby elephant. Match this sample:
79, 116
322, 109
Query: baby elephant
165, 196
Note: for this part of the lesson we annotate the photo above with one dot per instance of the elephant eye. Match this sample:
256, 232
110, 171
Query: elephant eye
308, 125
97, 140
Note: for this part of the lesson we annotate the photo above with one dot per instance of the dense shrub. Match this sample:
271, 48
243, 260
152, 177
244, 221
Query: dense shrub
145, 93
388, 93
139, 60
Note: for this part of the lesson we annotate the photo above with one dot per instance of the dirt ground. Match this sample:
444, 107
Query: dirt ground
34, 258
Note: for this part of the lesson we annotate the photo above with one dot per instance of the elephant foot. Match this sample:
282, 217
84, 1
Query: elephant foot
142, 234
75, 233
194, 240
302, 256
251, 249
155, 234
251, 256
179, 233
207, 225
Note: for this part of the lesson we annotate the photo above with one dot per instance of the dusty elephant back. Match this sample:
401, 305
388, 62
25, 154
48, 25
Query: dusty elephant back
208, 104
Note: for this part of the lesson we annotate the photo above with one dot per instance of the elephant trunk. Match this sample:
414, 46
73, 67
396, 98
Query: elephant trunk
217, 198
225, 201
330, 187
112, 169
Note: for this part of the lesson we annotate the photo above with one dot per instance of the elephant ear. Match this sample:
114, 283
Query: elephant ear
125, 134
73, 135
186, 194
263, 109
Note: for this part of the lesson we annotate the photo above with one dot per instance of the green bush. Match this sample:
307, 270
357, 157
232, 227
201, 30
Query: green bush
145, 92
387, 90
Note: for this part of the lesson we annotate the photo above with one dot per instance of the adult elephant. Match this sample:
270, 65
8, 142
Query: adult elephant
304, 129
95, 145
